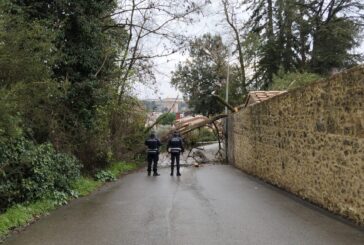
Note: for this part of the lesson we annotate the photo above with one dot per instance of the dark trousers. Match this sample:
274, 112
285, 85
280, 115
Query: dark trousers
175, 158
153, 158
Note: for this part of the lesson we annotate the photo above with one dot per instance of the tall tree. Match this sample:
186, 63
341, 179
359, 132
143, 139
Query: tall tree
262, 23
299, 35
203, 74
80, 60
231, 19
334, 31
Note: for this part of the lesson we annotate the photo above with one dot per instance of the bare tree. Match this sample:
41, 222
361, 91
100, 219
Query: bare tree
231, 18
147, 24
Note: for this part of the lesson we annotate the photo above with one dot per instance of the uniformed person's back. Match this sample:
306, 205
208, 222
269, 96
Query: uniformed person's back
175, 147
153, 145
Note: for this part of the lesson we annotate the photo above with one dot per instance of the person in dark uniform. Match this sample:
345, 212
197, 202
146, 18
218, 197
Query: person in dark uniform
153, 145
175, 147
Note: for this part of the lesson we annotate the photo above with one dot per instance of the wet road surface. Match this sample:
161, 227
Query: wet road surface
213, 204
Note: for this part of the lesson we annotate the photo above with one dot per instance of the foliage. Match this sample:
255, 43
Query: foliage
203, 74
167, 118
30, 172
118, 168
114, 171
84, 186
10, 121
126, 125
197, 136
206, 135
26, 51
105, 176
60, 198
237, 93
291, 80
61, 79
333, 40
306, 36
21, 215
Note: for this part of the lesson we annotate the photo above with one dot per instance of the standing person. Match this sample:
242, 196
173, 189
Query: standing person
175, 147
153, 145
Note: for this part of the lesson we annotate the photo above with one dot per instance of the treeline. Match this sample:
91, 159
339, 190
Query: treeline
60, 106
277, 44
307, 36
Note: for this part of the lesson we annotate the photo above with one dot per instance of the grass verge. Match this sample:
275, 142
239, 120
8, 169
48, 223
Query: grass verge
119, 168
21, 215
85, 185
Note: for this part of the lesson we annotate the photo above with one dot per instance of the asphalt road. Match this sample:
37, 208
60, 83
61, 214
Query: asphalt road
210, 205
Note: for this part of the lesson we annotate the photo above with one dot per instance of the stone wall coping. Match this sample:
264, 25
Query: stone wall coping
314, 83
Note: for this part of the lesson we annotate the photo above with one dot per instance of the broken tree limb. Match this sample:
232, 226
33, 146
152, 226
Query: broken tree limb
184, 130
217, 133
222, 101
202, 124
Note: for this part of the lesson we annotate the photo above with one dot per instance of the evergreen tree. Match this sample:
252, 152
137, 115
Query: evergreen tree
300, 35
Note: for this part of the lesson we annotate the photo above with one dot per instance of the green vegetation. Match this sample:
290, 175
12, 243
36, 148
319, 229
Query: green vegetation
167, 118
114, 171
206, 135
282, 45
119, 168
203, 74
105, 176
85, 185
30, 172
60, 110
67, 70
305, 36
291, 80
198, 136
22, 214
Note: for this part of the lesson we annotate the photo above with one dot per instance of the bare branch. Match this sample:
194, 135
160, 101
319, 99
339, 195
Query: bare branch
230, 21
222, 101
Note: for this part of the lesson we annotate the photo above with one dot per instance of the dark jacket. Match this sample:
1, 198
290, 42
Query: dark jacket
153, 145
175, 145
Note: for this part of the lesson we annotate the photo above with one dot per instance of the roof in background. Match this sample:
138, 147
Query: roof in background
255, 97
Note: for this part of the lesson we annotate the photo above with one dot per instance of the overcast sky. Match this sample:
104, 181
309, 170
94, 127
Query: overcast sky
209, 22
212, 21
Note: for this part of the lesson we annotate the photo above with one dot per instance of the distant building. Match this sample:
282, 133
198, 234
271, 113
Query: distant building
171, 104
164, 105
152, 118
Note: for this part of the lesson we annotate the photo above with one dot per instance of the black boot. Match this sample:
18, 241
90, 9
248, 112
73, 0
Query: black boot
156, 174
178, 174
148, 173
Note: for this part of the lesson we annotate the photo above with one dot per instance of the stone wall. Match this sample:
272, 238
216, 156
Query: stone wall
309, 141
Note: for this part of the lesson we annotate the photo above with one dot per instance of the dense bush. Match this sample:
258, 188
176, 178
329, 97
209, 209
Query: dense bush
29, 172
126, 125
